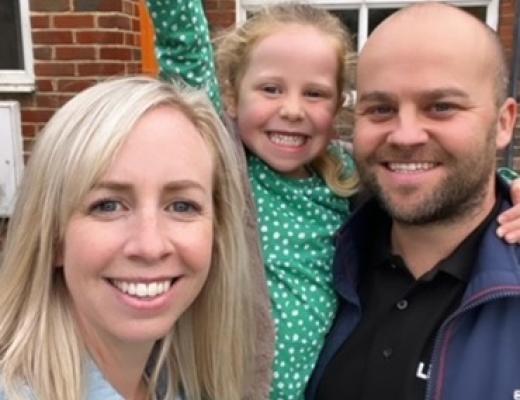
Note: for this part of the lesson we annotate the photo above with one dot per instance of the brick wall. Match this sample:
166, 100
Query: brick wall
76, 43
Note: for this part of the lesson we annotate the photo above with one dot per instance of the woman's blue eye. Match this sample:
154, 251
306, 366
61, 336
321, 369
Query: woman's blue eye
183, 207
105, 206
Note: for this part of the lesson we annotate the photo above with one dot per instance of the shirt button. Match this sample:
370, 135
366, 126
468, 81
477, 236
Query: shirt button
387, 353
402, 305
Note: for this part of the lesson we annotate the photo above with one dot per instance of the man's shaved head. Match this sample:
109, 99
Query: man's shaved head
423, 24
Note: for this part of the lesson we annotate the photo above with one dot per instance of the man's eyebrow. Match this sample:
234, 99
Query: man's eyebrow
375, 96
380, 96
445, 92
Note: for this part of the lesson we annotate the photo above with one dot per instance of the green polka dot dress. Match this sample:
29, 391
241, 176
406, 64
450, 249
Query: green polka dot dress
182, 44
297, 219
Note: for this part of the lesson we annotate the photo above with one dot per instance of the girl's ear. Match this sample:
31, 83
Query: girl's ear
231, 107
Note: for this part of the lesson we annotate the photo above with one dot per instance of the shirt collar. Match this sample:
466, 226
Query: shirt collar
458, 264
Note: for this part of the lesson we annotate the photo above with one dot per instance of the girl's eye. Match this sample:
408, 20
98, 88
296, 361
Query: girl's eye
314, 94
271, 89
105, 206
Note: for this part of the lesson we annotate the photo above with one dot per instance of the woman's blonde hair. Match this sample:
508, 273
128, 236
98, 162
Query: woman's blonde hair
207, 354
232, 58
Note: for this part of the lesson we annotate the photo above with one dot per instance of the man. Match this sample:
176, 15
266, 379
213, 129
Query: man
430, 297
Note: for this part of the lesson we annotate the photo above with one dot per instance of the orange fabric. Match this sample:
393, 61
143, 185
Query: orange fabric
149, 61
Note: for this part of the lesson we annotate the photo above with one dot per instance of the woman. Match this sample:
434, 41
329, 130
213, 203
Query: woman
125, 267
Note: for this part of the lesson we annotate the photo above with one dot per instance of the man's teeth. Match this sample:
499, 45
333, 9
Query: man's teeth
287, 139
410, 167
141, 289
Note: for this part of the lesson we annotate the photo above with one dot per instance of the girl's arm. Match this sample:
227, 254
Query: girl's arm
183, 46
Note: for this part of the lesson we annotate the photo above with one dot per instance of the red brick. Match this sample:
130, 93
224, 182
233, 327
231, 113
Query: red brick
36, 115
99, 37
221, 19
136, 25
114, 21
49, 5
133, 68
74, 85
51, 37
51, 100
39, 21
44, 85
42, 53
115, 53
132, 39
73, 21
54, 69
128, 8
104, 69
28, 130
75, 53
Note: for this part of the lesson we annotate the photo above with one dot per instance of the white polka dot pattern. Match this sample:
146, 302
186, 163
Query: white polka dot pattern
297, 220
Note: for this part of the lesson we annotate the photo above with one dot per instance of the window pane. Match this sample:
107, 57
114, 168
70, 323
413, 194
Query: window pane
11, 48
377, 15
350, 19
477, 11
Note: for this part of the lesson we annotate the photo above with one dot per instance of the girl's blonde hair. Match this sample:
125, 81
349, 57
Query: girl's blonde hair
207, 354
232, 58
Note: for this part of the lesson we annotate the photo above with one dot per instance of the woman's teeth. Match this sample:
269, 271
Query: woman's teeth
141, 289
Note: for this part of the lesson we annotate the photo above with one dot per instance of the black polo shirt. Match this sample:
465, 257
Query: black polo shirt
388, 354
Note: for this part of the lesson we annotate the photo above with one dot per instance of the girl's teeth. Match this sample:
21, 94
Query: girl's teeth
142, 289
287, 140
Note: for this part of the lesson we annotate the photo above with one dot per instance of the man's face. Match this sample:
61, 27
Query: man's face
426, 125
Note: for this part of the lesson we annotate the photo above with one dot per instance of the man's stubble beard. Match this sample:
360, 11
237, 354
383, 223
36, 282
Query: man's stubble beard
457, 196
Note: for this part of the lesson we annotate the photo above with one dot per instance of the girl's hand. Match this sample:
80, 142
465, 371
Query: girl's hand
509, 220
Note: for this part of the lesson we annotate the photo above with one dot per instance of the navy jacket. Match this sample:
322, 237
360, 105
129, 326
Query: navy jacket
477, 349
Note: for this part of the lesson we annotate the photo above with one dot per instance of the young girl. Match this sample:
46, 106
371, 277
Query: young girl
282, 76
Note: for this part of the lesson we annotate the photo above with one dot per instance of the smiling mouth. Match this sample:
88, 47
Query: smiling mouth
287, 139
143, 290
410, 167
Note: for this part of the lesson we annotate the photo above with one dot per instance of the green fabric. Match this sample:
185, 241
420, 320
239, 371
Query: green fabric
297, 219
183, 45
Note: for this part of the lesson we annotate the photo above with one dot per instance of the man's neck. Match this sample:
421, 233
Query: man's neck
423, 246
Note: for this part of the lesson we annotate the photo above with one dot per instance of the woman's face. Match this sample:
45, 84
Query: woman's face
138, 251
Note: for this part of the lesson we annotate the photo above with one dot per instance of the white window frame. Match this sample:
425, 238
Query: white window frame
243, 6
21, 80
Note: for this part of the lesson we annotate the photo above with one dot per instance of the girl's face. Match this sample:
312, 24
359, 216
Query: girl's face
288, 97
138, 251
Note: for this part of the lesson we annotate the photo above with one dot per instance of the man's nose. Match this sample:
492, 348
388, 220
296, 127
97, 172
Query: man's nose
408, 131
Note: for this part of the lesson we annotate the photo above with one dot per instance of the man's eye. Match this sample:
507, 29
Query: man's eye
105, 206
378, 112
442, 107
